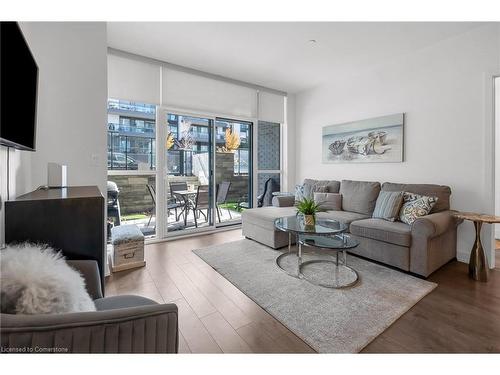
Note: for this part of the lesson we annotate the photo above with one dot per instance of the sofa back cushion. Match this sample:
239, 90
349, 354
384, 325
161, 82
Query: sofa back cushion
332, 185
441, 192
359, 196
328, 201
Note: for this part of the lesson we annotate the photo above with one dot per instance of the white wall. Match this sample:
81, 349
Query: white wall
497, 155
443, 90
20, 178
288, 152
71, 129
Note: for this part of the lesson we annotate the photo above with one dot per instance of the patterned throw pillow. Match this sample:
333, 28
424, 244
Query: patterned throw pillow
415, 206
299, 193
309, 190
388, 205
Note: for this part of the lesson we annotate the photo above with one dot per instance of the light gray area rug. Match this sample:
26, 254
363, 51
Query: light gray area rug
329, 320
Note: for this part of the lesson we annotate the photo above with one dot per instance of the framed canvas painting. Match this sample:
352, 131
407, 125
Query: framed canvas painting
374, 140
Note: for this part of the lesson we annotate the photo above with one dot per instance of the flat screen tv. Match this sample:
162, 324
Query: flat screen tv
18, 89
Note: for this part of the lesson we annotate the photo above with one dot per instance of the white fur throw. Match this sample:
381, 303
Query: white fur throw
37, 280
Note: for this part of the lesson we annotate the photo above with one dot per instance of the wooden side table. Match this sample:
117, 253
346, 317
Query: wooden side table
478, 264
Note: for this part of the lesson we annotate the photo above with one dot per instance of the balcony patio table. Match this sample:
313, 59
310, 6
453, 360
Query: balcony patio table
186, 195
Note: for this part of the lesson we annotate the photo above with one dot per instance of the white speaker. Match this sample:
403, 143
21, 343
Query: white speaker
57, 175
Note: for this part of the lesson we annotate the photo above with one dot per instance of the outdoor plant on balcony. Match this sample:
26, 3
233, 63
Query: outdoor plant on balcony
232, 142
170, 141
186, 141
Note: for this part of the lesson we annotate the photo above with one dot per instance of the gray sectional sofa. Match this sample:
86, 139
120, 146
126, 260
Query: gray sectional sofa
422, 248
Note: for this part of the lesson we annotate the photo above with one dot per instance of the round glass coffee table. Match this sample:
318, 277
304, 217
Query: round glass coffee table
328, 235
340, 274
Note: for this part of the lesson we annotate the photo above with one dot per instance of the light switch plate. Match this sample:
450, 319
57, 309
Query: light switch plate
94, 159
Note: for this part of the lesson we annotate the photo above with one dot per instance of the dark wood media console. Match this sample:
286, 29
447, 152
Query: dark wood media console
68, 219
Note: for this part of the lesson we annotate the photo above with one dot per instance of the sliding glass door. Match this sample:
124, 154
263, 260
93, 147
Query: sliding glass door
233, 170
206, 169
188, 188
173, 173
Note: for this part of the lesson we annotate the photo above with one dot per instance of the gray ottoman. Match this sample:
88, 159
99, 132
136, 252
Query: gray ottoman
258, 224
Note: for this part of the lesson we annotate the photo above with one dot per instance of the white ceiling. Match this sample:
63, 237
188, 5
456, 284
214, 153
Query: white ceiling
277, 54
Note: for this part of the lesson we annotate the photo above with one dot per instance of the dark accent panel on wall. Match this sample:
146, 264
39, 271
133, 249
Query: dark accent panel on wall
68, 219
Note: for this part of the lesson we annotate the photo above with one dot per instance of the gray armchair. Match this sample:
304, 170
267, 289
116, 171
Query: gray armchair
121, 324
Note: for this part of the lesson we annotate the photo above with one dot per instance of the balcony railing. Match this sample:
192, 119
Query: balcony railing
127, 152
130, 146
132, 107
121, 128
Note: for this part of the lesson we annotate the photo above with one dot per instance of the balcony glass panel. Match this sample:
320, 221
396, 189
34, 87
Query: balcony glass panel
132, 148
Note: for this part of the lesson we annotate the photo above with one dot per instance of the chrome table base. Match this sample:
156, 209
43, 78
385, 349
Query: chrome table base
340, 266
281, 257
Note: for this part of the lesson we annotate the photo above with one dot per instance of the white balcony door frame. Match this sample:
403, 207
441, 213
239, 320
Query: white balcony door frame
162, 170
161, 173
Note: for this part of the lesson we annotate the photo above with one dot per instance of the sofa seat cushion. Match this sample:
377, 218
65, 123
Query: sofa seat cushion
344, 216
122, 302
265, 216
382, 230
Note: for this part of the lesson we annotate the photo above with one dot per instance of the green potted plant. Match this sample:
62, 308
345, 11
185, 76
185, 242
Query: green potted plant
308, 208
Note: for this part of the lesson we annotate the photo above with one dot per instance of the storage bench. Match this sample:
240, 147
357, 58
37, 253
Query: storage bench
128, 248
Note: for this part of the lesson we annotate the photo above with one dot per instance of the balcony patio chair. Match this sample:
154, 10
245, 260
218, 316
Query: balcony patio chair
222, 191
201, 202
171, 204
152, 193
178, 199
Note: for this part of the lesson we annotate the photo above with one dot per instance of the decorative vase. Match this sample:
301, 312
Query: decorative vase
309, 220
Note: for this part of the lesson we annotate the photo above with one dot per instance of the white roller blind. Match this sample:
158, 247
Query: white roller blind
133, 80
271, 107
190, 91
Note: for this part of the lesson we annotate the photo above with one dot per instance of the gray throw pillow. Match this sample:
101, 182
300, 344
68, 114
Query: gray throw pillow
328, 201
388, 205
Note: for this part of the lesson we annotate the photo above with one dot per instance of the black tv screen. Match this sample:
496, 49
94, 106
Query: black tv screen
18, 89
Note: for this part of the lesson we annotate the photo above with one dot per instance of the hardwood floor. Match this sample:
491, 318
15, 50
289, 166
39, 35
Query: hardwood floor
460, 315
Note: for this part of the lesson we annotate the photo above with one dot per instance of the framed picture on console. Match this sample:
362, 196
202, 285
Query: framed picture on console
374, 140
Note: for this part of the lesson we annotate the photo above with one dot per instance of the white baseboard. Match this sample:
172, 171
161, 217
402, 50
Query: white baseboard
463, 257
